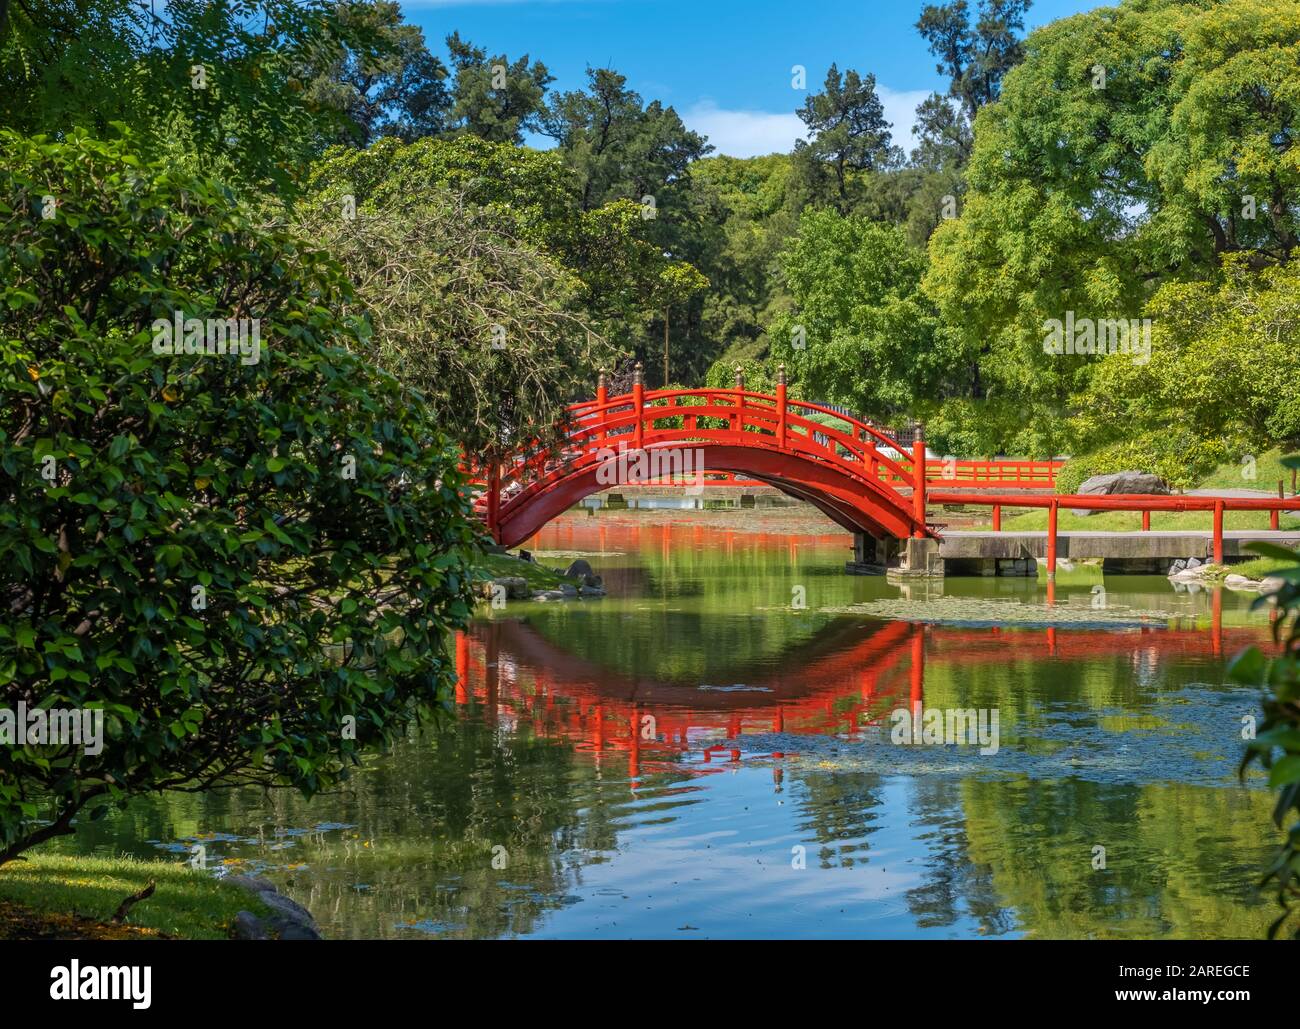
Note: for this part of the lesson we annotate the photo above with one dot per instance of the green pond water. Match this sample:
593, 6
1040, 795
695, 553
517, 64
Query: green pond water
709, 751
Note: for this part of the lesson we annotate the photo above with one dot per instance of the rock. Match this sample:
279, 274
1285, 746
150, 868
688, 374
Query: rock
1193, 562
578, 570
1177, 566
285, 929
248, 927
1239, 582
567, 590
545, 595
591, 591
289, 920
516, 587
1272, 584
252, 883
594, 581
1123, 482
527, 555
288, 909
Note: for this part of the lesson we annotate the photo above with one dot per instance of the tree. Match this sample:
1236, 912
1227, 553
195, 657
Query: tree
247, 562
1225, 354
482, 323
861, 332
389, 86
620, 147
849, 133
1124, 152
613, 267
220, 88
493, 98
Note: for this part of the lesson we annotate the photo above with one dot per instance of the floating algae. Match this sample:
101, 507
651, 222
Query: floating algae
979, 612
1189, 736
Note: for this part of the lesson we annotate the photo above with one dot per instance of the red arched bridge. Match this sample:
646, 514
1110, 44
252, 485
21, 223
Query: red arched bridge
850, 469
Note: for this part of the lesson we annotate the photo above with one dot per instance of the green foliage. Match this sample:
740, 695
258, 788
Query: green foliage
1086, 196
848, 136
1276, 748
861, 332
382, 76
494, 98
220, 87
480, 322
231, 560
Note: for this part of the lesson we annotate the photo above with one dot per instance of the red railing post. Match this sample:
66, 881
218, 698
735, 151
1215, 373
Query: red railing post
494, 497
1146, 521
997, 517
780, 407
1218, 531
740, 399
1273, 522
602, 397
638, 404
918, 487
1051, 542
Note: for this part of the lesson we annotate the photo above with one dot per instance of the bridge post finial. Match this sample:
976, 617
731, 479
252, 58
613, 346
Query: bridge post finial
602, 381
780, 373
740, 377
638, 376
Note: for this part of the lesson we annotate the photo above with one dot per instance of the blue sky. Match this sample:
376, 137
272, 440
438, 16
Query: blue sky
723, 64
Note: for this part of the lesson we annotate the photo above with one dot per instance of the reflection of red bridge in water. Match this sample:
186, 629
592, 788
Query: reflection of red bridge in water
846, 677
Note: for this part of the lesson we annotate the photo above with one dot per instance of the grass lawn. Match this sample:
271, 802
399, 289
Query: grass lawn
499, 566
56, 896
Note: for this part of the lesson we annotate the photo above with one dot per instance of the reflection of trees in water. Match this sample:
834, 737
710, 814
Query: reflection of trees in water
1173, 855
838, 811
426, 819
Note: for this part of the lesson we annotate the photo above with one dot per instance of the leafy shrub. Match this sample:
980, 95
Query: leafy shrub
249, 568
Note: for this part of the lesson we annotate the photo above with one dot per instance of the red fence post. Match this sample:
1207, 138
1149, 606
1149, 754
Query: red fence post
602, 397
1273, 522
780, 407
997, 517
740, 399
1146, 521
638, 404
918, 487
494, 497
1218, 531
1051, 542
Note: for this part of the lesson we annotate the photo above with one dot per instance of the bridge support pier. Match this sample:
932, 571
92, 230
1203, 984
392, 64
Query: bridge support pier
872, 556
909, 558
918, 559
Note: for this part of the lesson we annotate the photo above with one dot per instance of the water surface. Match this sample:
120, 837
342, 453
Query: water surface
707, 752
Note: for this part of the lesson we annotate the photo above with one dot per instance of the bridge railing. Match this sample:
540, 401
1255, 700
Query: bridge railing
1119, 502
652, 420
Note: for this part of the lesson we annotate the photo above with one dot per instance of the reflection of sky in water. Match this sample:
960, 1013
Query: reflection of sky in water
1125, 741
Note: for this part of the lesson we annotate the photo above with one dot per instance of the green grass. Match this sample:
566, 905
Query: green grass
1268, 469
187, 903
499, 566
1261, 567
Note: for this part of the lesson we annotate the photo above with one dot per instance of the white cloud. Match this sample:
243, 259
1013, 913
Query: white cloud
744, 133
748, 133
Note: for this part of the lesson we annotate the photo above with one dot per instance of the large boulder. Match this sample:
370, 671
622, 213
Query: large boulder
1123, 482
580, 569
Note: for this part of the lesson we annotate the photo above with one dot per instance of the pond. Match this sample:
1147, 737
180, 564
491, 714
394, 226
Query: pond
741, 740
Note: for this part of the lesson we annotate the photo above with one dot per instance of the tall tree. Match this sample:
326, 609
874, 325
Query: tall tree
848, 133
494, 98
385, 79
